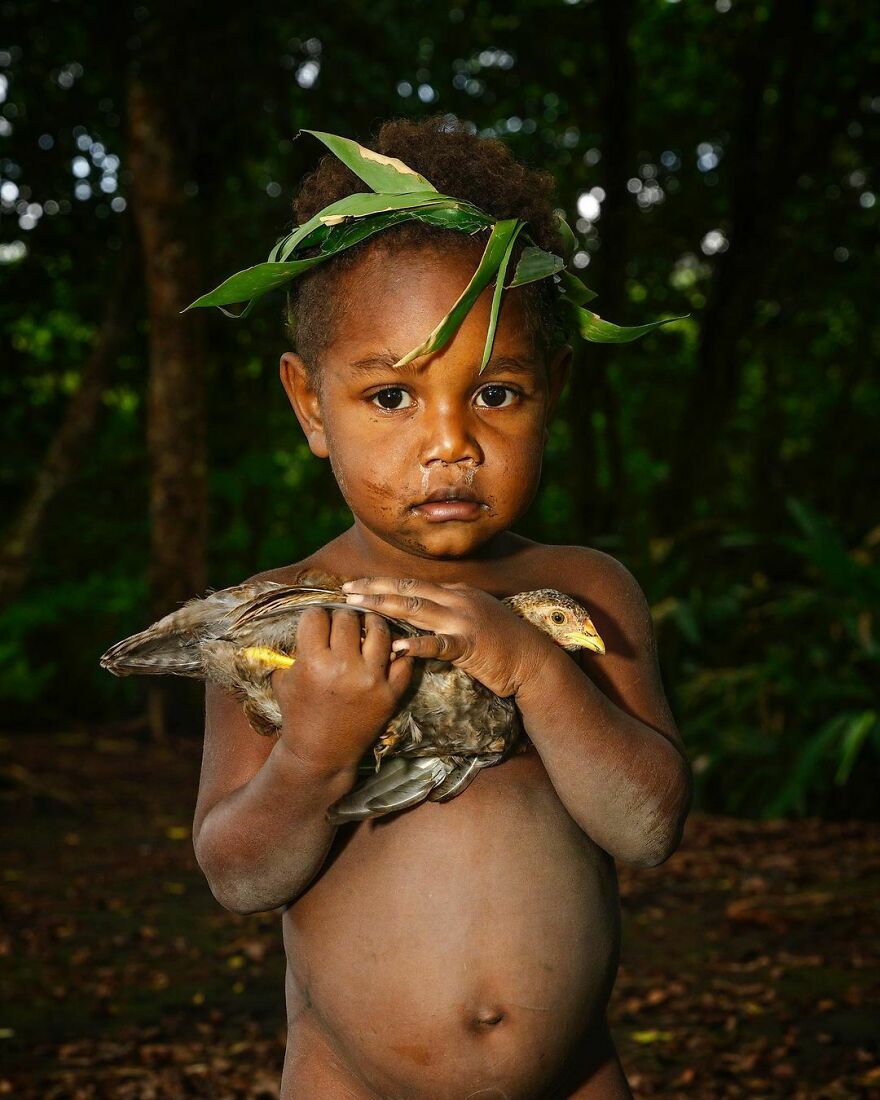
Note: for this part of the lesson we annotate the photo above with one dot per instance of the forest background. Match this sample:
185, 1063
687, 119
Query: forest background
717, 159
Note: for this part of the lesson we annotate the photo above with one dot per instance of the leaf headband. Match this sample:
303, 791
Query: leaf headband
399, 194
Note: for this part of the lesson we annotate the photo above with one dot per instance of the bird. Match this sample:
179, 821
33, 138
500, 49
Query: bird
448, 726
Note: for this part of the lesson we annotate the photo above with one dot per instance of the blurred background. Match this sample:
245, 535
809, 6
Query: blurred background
714, 158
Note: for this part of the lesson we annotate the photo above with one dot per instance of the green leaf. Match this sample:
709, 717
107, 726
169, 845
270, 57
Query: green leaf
854, 736
451, 215
461, 216
493, 254
359, 205
534, 264
386, 175
496, 296
809, 762
568, 239
592, 327
575, 289
253, 283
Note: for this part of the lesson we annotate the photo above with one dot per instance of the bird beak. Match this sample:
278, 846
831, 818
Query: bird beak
582, 639
267, 658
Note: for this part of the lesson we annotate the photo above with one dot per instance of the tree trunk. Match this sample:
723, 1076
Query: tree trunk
63, 454
176, 401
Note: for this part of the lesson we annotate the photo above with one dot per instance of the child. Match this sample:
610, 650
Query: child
462, 949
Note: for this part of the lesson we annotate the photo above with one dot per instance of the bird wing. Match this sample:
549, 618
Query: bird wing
290, 599
401, 782
405, 781
461, 777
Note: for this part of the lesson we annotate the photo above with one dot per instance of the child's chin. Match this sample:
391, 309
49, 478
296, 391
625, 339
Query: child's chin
445, 540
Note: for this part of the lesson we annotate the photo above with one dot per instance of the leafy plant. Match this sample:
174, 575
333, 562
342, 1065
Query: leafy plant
776, 681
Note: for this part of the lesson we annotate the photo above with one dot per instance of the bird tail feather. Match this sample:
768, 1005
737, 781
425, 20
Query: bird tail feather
148, 654
171, 644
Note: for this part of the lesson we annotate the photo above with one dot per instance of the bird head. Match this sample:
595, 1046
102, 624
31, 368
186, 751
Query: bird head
564, 619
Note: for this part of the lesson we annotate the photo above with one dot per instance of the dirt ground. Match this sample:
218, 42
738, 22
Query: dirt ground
750, 959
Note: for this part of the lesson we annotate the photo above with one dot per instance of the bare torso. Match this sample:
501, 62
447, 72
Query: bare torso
457, 950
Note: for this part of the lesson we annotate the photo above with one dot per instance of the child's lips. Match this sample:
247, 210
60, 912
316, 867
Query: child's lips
449, 504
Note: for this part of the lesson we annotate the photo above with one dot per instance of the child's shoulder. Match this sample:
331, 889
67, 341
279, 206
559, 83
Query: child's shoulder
604, 585
583, 571
307, 572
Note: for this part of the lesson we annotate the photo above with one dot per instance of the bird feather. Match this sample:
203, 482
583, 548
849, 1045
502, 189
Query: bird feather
401, 782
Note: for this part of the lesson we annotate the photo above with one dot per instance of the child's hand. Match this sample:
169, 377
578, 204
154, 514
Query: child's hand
339, 694
470, 628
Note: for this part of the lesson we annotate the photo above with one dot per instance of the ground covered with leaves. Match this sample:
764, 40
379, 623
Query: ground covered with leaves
750, 959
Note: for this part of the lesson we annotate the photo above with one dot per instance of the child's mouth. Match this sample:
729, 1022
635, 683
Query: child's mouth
449, 504
441, 511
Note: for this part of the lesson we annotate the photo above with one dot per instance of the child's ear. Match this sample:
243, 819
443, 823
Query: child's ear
558, 371
303, 397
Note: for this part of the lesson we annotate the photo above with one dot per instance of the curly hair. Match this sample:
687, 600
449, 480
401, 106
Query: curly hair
457, 162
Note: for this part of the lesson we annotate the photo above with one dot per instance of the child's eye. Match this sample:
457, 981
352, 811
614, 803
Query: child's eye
392, 397
496, 397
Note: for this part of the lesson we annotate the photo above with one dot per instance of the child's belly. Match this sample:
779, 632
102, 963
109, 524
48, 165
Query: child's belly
457, 947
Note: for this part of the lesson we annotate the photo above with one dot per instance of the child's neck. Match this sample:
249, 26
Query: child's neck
364, 552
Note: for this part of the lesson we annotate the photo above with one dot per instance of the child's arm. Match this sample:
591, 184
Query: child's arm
259, 832
613, 754
631, 789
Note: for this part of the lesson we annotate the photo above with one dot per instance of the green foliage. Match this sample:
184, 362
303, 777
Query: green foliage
776, 680
51, 636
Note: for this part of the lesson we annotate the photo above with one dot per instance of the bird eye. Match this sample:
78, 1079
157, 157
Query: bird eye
558, 617
392, 397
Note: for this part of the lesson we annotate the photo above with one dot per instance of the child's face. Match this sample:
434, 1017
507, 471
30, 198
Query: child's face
432, 458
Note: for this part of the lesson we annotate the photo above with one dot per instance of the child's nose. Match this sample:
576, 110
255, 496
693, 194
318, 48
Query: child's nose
449, 437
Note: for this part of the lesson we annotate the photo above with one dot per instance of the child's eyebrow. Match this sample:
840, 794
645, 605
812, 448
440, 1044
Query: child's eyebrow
506, 363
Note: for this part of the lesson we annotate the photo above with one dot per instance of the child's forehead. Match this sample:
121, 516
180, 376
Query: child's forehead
391, 300
436, 369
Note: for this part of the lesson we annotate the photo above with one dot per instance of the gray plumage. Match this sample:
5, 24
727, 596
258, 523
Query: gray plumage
448, 726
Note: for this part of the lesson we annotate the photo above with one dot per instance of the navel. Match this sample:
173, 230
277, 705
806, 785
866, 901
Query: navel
487, 1019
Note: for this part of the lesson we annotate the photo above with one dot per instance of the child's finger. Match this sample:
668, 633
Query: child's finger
420, 612
345, 631
313, 631
399, 586
444, 647
376, 645
399, 673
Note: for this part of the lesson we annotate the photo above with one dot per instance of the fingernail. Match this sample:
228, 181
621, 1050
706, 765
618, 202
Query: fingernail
347, 585
400, 646
354, 598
